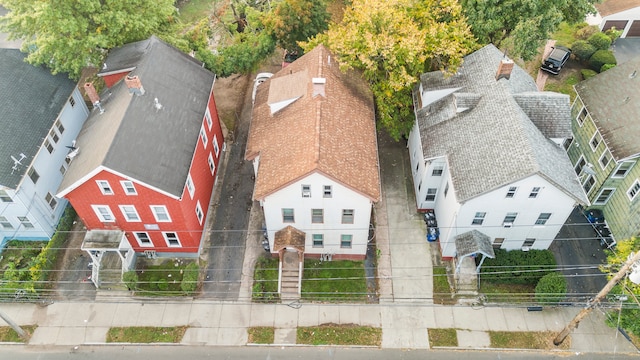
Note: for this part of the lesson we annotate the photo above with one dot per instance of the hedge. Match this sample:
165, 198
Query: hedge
600, 58
518, 267
551, 289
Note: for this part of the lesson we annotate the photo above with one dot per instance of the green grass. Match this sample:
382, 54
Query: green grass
161, 280
20, 254
333, 334
334, 280
542, 340
441, 288
507, 293
261, 335
7, 334
146, 335
565, 35
566, 86
193, 10
443, 337
265, 280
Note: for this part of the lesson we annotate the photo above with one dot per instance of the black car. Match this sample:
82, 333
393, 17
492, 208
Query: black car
556, 60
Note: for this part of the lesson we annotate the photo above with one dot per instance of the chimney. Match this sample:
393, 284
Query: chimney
134, 85
504, 69
93, 96
318, 86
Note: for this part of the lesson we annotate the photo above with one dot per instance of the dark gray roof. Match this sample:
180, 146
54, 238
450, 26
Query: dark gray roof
613, 101
30, 100
136, 138
549, 111
488, 138
125, 57
473, 242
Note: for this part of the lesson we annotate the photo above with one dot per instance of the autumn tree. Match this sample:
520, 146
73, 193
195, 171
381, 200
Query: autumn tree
293, 21
527, 23
393, 42
69, 35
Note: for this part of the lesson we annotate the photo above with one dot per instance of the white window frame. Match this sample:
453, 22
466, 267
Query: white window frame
136, 235
47, 144
621, 165
199, 213
58, 125
346, 238
212, 164
596, 136
203, 136
511, 192
497, 243
317, 237
509, 219
582, 120
5, 223
51, 200
101, 217
207, 117
582, 162
285, 217
126, 212
25, 222
306, 191
346, 217
431, 195
216, 147
597, 200
317, 216
156, 213
127, 189
437, 170
634, 189
542, 219
105, 187
535, 191
191, 187
478, 218
166, 239
587, 180
606, 154
327, 191
5, 197
33, 174
528, 243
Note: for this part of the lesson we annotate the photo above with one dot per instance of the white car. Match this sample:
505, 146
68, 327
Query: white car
260, 78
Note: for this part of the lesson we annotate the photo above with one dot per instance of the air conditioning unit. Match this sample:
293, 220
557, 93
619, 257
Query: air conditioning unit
526, 248
507, 224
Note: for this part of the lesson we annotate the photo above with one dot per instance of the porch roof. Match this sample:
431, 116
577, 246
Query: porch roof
102, 240
289, 236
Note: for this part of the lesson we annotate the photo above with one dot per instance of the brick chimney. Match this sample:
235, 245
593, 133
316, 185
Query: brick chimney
134, 85
93, 96
504, 69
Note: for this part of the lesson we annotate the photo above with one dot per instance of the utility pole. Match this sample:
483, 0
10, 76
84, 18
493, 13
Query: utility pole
605, 290
14, 326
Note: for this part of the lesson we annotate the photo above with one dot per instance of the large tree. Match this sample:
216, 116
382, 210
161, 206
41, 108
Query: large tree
293, 21
526, 22
393, 42
67, 35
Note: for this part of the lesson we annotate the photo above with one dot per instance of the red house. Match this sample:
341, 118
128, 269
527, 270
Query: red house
145, 163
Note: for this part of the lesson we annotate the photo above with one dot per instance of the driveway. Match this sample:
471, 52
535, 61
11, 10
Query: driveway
626, 49
4, 43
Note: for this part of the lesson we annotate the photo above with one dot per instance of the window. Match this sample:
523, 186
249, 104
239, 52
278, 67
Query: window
216, 148
24, 221
72, 101
345, 241
306, 191
509, 219
128, 187
605, 159
59, 126
623, 169
318, 240
33, 175
203, 137
143, 239
534, 193
542, 218
478, 219
579, 165
347, 216
511, 192
497, 243
104, 213
595, 141
4, 222
437, 170
207, 116
582, 115
51, 200
104, 186
446, 189
212, 165
317, 216
567, 143
54, 136
4, 196
431, 194
63, 169
172, 239
633, 190
199, 212
47, 144
528, 243
287, 216
160, 213
326, 191
190, 187
588, 184
129, 212
604, 196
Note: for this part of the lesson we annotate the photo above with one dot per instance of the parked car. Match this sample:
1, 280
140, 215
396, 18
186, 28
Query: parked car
556, 60
260, 78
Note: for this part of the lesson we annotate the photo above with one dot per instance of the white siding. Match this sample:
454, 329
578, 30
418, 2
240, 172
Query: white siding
630, 15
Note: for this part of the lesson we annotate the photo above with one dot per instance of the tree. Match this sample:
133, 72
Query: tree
526, 22
69, 35
551, 288
293, 21
392, 42
582, 50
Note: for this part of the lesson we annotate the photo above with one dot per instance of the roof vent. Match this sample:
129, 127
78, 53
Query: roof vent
318, 86
157, 104
134, 84
633, 74
93, 96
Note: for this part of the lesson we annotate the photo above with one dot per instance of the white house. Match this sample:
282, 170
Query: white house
485, 154
622, 14
314, 150
41, 116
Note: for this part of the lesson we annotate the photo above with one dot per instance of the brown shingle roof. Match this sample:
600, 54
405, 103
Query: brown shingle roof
333, 134
609, 7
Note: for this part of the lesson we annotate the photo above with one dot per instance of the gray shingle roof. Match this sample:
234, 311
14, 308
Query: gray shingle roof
495, 142
472, 242
31, 99
613, 101
134, 137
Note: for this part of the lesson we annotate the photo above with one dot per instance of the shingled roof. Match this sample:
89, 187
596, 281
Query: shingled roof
610, 7
31, 99
299, 128
613, 101
150, 138
493, 139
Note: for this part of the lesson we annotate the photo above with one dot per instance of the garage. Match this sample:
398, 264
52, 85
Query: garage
618, 24
634, 29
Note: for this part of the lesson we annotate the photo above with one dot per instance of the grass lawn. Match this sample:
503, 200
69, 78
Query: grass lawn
146, 335
507, 293
261, 335
565, 35
265, 280
333, 334
161, 280
441, 288
7, 334
566, 85
443, 337
542, 340
334, 280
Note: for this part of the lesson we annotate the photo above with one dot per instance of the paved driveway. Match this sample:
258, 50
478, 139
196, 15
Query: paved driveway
626, 49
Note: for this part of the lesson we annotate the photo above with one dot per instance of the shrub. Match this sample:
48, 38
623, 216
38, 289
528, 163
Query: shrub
585, 32
518, 267
130, 278
606, 67
600, 58
163, 285
588, 73
613, 34
582, 50
551, 288
190, 278
600, 41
